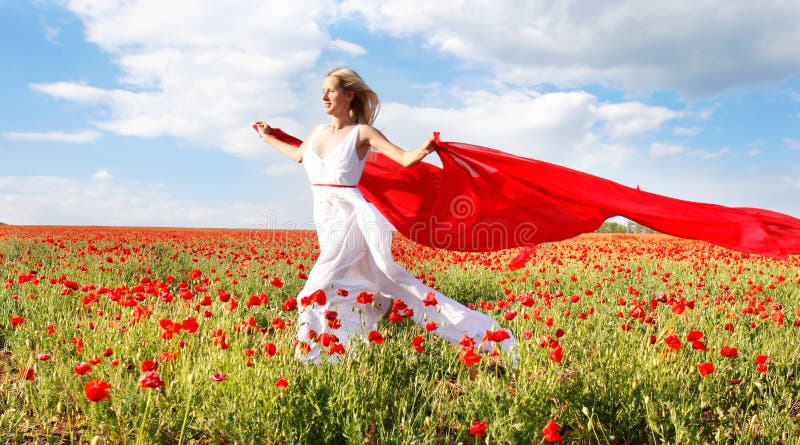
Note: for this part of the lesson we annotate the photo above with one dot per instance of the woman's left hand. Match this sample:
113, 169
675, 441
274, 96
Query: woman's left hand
428, 147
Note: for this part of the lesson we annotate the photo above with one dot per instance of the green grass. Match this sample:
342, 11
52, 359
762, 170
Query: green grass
613, 385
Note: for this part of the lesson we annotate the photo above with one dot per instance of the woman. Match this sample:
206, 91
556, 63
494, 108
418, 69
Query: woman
355, 281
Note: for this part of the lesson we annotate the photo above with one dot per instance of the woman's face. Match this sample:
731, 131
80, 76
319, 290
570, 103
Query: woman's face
335, 100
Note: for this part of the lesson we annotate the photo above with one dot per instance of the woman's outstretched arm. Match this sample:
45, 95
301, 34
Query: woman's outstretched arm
374, 138
288, 150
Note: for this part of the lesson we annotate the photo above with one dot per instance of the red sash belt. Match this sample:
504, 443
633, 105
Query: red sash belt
336, 185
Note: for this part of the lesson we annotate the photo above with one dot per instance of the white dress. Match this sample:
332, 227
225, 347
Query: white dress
355, 256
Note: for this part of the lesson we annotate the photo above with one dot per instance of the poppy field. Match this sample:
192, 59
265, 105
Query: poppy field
187, 336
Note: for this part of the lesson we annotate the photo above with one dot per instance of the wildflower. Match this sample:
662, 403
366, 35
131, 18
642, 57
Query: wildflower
470, 357
556, 352
27, 374
478, 429
365, 298
16, 321
82, 368
150, 379
417, 343
149, 365
550, 432
282, 383
430, 299
375, 337
96, 390
705, 368
218, 377
728, 351
673, 342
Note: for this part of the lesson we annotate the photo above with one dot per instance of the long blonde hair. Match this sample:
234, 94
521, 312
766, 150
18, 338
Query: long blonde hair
365, 105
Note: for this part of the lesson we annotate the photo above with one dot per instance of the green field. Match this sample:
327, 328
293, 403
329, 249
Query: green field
636, 319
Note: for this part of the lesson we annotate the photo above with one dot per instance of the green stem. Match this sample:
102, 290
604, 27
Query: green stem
185, 414
144, 419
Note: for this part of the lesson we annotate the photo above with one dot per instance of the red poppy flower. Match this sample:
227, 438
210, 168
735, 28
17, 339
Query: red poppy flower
16, 321
277, 323
478, 429
728, 351
431, 326
467, 342
290, 304
189, 325
342, 292
27, 374
276, 282
326, 339
496, 336
82, 368
43, 357
282, 383
149, 365
673, 342
96, 390
761, 359
550, 432
556, 353
417, 342
470, 357
270, 349
365, 298
150, 379
430, 299
375, 337
336, 348
705, 368
694, 335
218, 377
394, 317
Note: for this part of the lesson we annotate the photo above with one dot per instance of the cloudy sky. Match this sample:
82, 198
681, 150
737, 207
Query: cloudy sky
138, 112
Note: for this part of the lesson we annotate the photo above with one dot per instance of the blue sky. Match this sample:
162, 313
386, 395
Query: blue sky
138, 113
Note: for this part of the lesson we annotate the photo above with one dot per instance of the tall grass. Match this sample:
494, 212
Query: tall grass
616, 383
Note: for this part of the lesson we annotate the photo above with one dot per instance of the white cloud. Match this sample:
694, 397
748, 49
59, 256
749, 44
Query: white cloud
687, 131
659, 149
573, 128
80, 137
101, 175
695, 47
630, 118
663, 149
199, 71
348, 47
793, 144
51, 33
753, 152
104, 200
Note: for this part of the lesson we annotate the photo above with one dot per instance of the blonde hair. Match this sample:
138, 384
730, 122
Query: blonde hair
365, 105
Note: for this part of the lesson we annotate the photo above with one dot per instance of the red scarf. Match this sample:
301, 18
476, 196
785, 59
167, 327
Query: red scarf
483, 199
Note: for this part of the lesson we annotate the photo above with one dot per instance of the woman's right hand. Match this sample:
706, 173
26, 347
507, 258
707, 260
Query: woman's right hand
261, 128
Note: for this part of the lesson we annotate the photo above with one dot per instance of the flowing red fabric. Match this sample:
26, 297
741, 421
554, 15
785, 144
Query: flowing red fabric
483, 199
